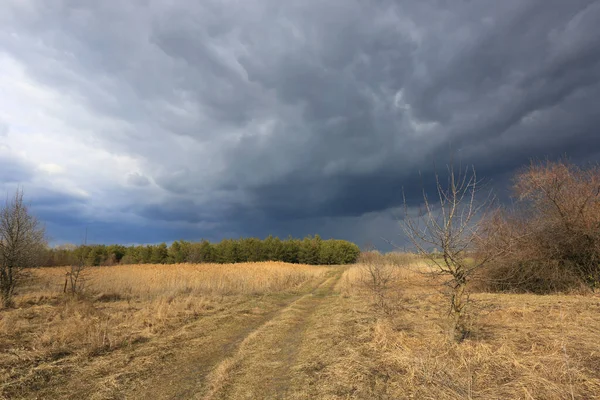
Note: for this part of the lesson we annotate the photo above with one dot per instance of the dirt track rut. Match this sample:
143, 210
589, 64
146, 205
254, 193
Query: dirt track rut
263, 366
251, 358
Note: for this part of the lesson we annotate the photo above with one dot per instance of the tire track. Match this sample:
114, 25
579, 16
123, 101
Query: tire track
185, 374
262, 367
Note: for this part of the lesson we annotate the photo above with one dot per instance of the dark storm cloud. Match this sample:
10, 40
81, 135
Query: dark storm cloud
265, 111
59, 208
173, 211
516, 84
128, 233
53, 199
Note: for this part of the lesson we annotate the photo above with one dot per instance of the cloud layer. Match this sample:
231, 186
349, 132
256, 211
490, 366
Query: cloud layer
153, 120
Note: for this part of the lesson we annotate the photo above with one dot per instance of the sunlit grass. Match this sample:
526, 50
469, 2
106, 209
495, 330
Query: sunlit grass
151, 281
127, 304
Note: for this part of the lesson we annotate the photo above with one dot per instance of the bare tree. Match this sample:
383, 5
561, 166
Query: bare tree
452, 224
21, 242
555, 229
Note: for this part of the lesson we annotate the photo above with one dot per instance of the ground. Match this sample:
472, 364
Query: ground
304, 333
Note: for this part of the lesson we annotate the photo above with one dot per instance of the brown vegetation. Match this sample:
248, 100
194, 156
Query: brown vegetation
521, 347
48, 334
551, 237
377, 329
275, 330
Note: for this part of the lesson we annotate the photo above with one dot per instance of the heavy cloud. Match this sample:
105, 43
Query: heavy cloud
254, 117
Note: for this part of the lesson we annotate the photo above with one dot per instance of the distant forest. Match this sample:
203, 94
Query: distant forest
310, 250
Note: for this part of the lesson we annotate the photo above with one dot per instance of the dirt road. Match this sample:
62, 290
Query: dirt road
252, 357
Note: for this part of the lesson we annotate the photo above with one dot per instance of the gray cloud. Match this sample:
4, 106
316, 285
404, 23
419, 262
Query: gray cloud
13, 169
137, 179
315, 111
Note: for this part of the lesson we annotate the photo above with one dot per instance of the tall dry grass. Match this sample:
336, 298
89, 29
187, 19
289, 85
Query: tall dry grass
407, 272
124, 305
523, 346
150, 281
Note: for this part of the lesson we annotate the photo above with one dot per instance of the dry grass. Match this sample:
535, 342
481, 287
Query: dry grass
148, 281
267, 326
263, 365
522, 347
120, 307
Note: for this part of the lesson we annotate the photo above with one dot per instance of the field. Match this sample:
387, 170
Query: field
276, 330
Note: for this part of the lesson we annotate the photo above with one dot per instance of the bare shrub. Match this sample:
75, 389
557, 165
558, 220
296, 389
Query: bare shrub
381, 280
75, 277
384, 276
554, 231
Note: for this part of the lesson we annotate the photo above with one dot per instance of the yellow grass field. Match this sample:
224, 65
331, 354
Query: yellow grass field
123, 306
282, 331
522, 346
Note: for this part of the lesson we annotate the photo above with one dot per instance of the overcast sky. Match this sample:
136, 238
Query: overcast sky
150, 121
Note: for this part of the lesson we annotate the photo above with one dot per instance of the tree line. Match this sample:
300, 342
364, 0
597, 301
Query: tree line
310, 250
